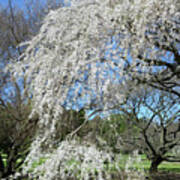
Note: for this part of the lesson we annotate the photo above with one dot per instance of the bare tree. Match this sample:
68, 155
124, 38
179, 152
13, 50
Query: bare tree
19, 25
17, 129
157, 116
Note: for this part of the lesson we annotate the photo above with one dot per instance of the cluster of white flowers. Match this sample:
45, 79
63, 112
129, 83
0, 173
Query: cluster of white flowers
72, 159
83, 162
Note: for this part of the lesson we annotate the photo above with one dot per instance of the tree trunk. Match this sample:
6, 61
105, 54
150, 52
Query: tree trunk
154, 164
1, 166
11, 160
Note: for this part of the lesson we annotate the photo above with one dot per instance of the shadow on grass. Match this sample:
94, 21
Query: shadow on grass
164, 176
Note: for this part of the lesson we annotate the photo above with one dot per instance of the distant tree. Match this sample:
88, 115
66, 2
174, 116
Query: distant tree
110, 129
71, 121
16, 26
125, 129
156, 115
17, 130
19, 25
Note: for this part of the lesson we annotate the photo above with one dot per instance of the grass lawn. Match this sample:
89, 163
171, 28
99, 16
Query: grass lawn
145, 164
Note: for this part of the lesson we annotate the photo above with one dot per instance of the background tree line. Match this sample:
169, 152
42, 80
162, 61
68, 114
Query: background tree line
16, 128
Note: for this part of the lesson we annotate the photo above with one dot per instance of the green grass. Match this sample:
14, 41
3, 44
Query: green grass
172, 167
145, 164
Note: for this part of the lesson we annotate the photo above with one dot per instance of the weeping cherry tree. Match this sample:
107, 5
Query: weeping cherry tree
89, 46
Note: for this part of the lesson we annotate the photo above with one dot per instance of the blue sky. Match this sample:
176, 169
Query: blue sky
19, 3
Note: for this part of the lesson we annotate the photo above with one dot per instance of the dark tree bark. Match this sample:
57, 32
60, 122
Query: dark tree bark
1, 166
154, 164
